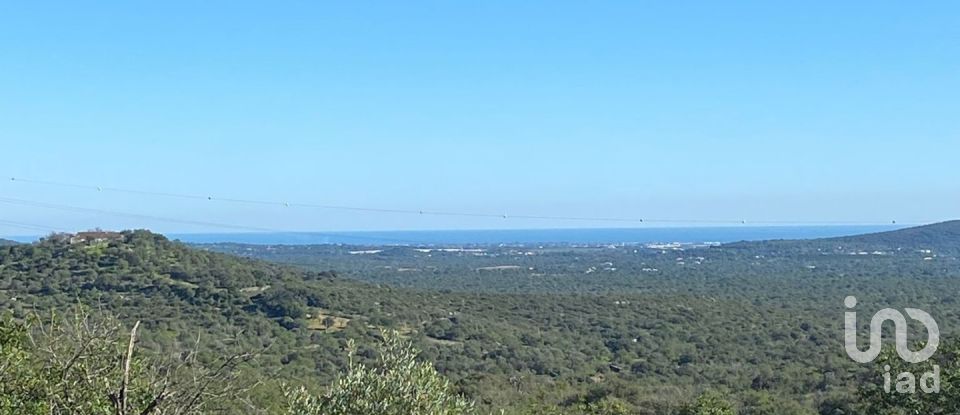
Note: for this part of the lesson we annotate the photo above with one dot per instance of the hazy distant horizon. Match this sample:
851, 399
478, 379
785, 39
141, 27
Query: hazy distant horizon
683, 234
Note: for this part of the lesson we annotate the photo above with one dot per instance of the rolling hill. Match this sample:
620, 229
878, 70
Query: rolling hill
943, 235
651, 328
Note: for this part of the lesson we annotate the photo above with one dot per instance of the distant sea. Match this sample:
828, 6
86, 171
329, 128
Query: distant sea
539, 236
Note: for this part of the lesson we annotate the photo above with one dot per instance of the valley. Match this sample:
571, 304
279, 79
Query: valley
519, 327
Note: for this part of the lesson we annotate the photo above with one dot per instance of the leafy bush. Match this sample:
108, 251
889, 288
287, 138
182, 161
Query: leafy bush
397, 385
80, 365
709, 403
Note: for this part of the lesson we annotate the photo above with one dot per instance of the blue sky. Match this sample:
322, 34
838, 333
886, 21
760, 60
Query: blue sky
817, 111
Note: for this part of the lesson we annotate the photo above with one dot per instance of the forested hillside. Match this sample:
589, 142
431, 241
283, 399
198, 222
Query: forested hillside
730, 270
647, 329
944, 235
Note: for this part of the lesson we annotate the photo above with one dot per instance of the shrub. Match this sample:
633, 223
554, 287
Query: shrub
397, 385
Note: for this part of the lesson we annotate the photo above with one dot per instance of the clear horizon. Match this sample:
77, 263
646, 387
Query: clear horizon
683, 234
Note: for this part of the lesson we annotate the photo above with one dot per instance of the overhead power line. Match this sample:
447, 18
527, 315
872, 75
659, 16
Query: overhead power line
28, 226
79, 209
429, 212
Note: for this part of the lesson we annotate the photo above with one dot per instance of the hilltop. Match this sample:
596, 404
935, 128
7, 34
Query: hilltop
135, 264
7, 242
173, 289
937, 235
942, 237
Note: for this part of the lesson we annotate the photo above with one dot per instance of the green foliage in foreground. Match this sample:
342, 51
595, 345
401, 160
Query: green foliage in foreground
877, 401
82, 365
68, 371
397, 385
85, 365
20, 388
